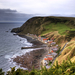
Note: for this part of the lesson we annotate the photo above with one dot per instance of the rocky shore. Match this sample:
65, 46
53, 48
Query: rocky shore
34, 57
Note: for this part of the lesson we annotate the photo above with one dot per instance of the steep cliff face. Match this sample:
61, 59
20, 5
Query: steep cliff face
38, 25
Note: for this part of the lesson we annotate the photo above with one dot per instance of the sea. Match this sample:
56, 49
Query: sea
10, 45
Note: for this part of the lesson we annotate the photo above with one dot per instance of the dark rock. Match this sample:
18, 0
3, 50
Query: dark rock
14, 34
16, 30
6, 31
30, 59
29, 47
20, 39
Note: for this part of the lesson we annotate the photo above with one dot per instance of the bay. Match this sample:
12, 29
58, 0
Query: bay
10, 45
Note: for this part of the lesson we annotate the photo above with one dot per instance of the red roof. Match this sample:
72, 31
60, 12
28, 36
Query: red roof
47, 38
52, 51
48, 58
44, 39
39, 36
45, 58
48, 55
50, 42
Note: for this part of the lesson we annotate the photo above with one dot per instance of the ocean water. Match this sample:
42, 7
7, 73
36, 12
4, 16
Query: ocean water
10, 45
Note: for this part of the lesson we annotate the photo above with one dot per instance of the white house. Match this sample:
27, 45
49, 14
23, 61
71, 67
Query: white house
54, 54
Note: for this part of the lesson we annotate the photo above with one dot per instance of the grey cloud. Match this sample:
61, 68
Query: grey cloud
13, 15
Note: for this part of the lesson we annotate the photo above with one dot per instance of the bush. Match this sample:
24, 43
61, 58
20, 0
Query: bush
1, 73
66, 68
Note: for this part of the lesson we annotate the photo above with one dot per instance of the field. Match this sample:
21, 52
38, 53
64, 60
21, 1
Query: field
61, 28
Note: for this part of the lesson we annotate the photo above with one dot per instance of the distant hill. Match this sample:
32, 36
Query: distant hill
13, 15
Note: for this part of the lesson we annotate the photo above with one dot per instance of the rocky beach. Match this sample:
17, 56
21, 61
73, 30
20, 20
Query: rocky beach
42, 28
34, 57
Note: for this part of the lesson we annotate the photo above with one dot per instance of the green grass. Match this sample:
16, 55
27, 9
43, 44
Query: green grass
50, 63
61, 28
69, 47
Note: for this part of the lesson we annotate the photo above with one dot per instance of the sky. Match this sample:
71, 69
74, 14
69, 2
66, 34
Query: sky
40, 7
7, 15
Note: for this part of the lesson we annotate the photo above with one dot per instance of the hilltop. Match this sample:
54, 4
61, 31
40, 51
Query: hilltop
42, 25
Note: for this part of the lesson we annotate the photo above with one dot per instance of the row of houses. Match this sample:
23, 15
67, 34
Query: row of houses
50, 56
52, 48
42, 39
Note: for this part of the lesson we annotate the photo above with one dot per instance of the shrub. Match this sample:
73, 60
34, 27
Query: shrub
66, 68
1, 72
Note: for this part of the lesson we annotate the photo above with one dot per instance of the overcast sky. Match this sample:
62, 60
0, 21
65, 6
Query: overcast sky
43, 7
13, 15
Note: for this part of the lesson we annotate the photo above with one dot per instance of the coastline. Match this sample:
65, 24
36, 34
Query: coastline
34, 57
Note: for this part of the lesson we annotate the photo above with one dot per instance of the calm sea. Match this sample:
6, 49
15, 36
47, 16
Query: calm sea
10, 45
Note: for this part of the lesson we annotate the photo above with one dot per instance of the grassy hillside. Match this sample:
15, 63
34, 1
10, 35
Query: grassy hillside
68, 52
62, 29
42, 25
45, 25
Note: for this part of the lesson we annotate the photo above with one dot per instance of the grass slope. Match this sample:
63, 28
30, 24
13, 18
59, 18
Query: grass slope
61, 28
42, 25
68, 52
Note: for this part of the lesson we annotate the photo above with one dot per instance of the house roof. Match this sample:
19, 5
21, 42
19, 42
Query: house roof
52, 51
44, 39
48, 58
50, 41
48, 55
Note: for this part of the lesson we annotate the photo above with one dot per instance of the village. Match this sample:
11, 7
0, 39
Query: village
53, 49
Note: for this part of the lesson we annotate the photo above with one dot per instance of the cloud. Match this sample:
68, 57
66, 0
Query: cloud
46, 7
13, 15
